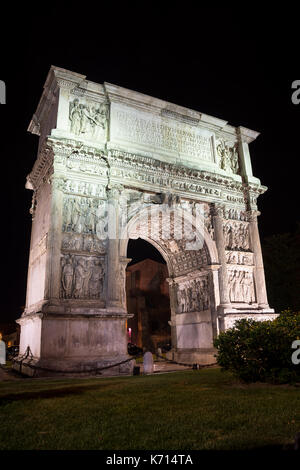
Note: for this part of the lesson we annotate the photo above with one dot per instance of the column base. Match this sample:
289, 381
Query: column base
229, 317
36, 367
73, 343
202, 356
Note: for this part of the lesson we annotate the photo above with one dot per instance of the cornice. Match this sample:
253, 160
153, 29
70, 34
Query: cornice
118, 158
40, 167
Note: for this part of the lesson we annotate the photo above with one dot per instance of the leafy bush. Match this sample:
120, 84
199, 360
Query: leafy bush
261, 351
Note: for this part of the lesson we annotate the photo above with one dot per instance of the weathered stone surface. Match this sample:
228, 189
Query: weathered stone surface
148, 363
115, 164
2, 352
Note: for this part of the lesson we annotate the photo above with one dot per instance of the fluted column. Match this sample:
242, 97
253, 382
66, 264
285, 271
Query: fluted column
52, 284
259, 274
113, 261
219, 238
173, 305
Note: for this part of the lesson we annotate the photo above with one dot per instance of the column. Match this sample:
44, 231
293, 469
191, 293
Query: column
53, 273
223, 276
113, 264
259, 274
173, 307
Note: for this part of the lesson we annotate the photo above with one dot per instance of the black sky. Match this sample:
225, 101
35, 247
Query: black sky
235, 64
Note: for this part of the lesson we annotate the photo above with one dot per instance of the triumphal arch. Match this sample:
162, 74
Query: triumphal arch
114, 165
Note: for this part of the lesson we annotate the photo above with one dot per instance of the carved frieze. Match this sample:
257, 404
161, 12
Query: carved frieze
193, 295
82, 277
85, 215
239, 257
236, 235
228, 156
241, 285
130, 168
88, 119
235, 214
84, 189
83, 243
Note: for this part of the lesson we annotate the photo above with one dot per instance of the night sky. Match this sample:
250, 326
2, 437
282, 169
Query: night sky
236, 64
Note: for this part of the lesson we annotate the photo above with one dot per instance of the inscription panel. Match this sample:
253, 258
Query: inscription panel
162, 135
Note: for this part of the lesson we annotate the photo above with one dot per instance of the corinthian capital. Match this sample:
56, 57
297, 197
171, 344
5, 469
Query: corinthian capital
252, 215
114, 191
57, 182
218, 210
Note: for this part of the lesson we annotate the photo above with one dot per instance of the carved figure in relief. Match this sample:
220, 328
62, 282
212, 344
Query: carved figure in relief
100, 116
68, 213
248, 288
193, 296
183, 299
67, 278
90, 218
84, 215
241, 286
122, 281
236, 236
82, 276
86, 119
96, 280
205, 294
75, 116
76, 212
228, 157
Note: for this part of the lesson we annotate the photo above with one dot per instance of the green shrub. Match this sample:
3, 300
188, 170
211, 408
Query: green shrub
261, 351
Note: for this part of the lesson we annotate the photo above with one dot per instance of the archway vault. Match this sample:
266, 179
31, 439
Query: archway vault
185, 244
192, 261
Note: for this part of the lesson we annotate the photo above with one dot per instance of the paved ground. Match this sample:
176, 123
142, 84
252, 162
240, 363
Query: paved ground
167, 367
4, 375
159, 368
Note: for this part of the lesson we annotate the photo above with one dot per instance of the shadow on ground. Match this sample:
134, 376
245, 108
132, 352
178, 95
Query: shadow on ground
44, 394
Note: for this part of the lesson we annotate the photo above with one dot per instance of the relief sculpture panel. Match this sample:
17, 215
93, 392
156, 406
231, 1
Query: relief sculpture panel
81, 277
85, 215
236, 236
228, 157
239, 257
82, 243
193, 295
241, 286
88, 119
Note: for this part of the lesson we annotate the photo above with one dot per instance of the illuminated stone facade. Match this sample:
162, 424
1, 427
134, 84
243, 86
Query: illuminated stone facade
115, 164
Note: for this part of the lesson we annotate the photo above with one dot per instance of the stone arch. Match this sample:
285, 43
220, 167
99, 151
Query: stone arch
133, 229
192, 275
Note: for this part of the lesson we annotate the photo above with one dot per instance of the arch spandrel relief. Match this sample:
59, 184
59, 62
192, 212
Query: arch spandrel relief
116, 164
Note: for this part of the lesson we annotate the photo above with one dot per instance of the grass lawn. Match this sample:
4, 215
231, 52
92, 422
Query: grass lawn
192, 410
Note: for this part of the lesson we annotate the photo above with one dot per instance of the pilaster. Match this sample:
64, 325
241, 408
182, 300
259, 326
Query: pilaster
260, 284
220, 243
113, 253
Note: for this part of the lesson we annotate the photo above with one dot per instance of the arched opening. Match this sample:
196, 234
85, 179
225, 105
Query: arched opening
147, 293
